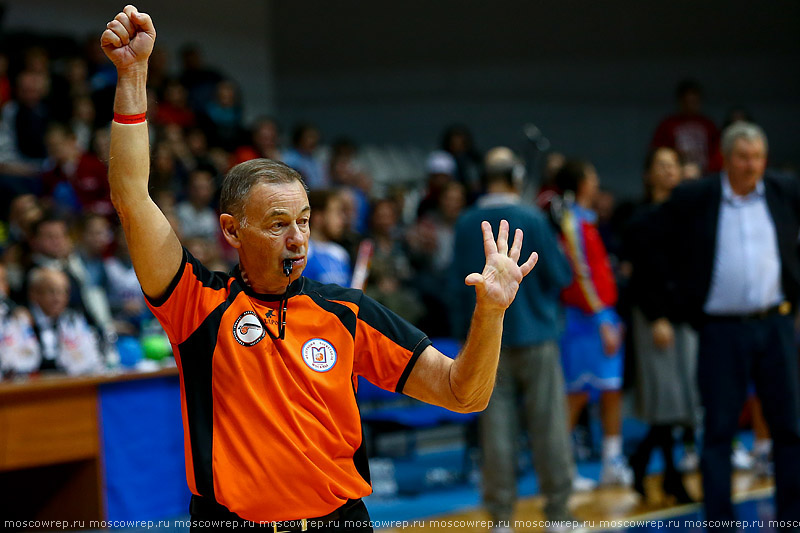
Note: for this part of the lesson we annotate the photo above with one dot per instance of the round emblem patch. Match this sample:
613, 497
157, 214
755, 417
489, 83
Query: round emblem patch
319, 355
247, 330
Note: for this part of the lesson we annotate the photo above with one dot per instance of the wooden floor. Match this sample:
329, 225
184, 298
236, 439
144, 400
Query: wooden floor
607, 504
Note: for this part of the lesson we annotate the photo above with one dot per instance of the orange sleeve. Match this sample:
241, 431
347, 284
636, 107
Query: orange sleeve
386, 346
192, 295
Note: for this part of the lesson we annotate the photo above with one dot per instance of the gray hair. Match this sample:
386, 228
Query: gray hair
40, 275
741, 130
241, 178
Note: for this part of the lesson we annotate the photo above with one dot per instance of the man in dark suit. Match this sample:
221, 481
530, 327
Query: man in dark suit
731, 266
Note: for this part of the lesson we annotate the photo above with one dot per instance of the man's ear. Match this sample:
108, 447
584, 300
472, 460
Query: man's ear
230, 229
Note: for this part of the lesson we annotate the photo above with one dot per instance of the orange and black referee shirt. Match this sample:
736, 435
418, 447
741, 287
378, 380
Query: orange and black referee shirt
271, 427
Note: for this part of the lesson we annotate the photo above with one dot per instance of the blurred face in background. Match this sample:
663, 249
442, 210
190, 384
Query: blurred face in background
333, 219
176, 95
101, 143
62, 146
588, 186
201, 188
265, 135
308, 140
664, 173
745, 164
197, 142
691, 102
50, 291
83, 109
384, 218
97, 236
226, 94
452, 201
24, 211
52, 240
31, 88
77, 71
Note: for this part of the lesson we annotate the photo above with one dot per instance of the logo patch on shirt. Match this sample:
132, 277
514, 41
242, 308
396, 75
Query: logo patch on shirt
319, 355
247, 330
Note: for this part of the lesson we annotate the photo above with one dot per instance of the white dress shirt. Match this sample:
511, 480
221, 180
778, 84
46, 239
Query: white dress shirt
747, 264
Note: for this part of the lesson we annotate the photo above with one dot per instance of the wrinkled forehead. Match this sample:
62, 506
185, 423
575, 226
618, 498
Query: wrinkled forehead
266, 200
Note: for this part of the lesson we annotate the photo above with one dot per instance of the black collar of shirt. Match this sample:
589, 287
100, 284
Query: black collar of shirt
294, 288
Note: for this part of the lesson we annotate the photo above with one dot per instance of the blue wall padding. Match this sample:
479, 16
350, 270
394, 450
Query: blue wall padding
142, 437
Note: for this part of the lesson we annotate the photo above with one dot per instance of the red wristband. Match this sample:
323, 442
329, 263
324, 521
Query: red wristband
130, 119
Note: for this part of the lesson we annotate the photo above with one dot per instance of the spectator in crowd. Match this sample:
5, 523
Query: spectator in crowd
457, 141
24, 211
390, 269
174, 106
67, 342
730, 258
95, 244
688, 131
200, 80
209, 251
430, 243
222, 116
125, 294
553, 162
529, 369
197, 143
352, 181
441, 168
52, 247
327, 261
166, 174
592, 342
264, 142
302, 156
77, 181
356, 222
173, 138
82, 121
158, 69
23, 122
196, 216
101, 143
665, 348
19, 350
72, 83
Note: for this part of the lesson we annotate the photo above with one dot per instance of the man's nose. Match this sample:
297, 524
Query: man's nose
295, 237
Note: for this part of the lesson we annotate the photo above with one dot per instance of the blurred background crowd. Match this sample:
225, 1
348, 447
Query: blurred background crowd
383, 218
57, 212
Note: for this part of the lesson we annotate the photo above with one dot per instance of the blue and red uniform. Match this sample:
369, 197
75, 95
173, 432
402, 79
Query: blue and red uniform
589, 302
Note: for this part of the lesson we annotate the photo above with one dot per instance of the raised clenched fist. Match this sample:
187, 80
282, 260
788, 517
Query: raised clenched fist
129, 39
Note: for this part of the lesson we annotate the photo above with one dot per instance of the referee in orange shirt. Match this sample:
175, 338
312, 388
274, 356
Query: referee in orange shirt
268, 359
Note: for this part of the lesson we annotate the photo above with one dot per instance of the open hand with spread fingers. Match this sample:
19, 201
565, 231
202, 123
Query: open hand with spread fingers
496, 287
129, 38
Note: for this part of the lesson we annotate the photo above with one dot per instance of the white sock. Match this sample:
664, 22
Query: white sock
762, 447
612, 447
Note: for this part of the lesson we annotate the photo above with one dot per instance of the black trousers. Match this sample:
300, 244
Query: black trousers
210, 517
732, 354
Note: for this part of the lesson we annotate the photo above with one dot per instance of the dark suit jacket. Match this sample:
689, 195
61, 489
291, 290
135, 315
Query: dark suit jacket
687, 229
